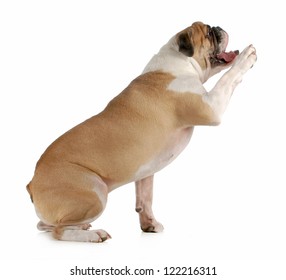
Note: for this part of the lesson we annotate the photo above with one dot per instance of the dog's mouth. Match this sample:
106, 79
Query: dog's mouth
226, 57
220, 56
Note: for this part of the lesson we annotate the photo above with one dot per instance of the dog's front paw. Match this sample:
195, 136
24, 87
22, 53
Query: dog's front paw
152, 227
246, 59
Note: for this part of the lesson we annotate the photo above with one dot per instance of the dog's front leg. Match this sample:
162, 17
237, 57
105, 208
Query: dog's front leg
207, 108
144, 198
218, 98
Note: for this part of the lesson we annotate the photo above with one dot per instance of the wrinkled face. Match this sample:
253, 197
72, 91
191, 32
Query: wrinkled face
207, 45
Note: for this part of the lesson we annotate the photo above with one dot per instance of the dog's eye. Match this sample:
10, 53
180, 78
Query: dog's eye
209, 33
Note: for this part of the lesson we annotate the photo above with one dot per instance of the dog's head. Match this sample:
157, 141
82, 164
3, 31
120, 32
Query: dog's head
207, 45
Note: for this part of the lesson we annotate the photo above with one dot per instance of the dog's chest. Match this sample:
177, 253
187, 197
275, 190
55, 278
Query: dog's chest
174, 146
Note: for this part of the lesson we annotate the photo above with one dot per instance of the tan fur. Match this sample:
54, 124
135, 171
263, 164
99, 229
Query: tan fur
114, 133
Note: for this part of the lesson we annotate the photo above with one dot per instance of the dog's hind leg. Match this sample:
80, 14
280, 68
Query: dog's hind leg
75, 217
66, 209
75, 233
44, 227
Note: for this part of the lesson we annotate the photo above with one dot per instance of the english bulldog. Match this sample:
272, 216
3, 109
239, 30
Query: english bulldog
140, 131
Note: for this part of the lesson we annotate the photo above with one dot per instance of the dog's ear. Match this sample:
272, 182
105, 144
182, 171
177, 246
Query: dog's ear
185, 44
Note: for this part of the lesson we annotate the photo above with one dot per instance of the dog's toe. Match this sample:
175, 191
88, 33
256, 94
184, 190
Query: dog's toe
103, 235
155, 227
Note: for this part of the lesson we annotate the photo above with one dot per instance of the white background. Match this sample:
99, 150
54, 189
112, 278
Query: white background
222, 202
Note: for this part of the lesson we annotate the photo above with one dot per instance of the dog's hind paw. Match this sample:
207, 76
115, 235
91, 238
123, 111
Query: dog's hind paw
80, 235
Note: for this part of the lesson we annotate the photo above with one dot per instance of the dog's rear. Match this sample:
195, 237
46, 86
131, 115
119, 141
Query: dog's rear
67, 210
28, 188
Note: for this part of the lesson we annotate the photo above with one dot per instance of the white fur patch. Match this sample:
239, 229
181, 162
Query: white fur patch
85, 235
187, 83
188, 73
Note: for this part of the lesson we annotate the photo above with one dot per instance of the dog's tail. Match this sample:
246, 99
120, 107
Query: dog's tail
28, 187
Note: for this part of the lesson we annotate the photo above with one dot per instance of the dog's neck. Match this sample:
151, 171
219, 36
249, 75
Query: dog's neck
170, 60
203, 75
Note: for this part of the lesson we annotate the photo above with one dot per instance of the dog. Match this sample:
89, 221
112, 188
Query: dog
140, 131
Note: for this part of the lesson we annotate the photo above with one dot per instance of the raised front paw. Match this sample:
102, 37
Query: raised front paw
246, 59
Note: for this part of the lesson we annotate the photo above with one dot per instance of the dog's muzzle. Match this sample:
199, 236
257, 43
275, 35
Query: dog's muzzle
220, 42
